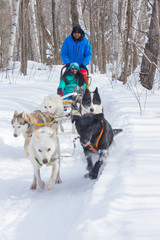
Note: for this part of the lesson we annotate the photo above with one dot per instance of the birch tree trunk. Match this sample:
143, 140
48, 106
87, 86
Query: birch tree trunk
134, 54
74, 13
116, 38
91, 32
103, 70
34, 32
123, 5
99, 39
150, 57
24, 39
128, 34
81, 21
55, 39
15, 14
46, 36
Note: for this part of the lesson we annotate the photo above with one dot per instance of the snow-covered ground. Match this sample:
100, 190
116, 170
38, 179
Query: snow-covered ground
123, 204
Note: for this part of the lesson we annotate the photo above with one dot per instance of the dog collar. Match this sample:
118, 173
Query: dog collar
29, 135
51, 161
94, 146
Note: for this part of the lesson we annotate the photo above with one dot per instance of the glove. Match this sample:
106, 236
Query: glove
82, 66
59, 91
67, 65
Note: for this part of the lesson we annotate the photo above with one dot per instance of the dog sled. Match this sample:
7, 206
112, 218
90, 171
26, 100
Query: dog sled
68, 102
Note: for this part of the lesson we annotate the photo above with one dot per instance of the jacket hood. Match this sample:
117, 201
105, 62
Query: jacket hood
79, 30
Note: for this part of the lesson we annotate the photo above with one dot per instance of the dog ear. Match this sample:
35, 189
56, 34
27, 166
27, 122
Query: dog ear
96, 90
75, 118
15, 113
86, 91
26, 117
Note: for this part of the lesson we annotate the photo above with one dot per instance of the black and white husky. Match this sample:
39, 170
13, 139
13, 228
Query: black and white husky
96, 136
89, 102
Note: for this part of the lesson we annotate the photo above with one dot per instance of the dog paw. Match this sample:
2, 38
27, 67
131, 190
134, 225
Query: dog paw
42, 185
93, 175
86, 175
58, 181
33, 186
49, 186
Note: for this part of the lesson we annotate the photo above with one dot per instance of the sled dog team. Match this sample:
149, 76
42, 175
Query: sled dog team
40, 130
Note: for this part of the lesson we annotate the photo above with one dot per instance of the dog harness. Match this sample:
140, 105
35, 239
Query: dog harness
51, 161
40, 124
94, 145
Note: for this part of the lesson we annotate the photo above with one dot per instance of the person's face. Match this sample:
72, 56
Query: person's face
76, 35
74, 70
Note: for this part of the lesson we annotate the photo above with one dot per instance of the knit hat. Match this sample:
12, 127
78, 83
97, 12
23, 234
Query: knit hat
77, 29
74, 65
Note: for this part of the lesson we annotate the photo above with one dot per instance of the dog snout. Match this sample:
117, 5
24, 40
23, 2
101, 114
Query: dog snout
85, 142
91, 110
45, 161
15, 135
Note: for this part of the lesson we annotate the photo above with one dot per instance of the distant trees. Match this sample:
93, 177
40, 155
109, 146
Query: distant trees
151, 51
116, 29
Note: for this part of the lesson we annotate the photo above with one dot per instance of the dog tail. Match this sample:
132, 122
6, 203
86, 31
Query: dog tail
116, 131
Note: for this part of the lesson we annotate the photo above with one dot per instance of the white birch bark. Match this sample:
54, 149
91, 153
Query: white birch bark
116, 37
34, 31
15, 14
123, 25
136, 20
79, 8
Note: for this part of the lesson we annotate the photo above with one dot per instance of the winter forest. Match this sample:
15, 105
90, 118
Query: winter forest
123, 203
122, 33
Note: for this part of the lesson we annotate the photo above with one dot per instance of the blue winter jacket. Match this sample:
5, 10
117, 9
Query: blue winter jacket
76, 51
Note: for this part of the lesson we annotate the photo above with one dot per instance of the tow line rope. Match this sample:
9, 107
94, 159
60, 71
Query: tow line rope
40, 124
74, 145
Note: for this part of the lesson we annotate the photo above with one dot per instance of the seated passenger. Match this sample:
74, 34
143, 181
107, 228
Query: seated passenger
71, 80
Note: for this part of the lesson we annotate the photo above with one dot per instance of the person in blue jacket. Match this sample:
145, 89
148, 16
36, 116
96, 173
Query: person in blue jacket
76, 48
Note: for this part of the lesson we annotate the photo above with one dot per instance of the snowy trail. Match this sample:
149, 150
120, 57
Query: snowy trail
120, 205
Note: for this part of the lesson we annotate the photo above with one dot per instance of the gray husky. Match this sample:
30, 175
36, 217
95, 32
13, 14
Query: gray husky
26, 123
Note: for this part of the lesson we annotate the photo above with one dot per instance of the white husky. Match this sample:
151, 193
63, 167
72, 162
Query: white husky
53, 104
44, 150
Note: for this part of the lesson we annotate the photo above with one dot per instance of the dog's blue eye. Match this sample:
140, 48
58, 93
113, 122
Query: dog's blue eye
48, 149
39, 150
19, 127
